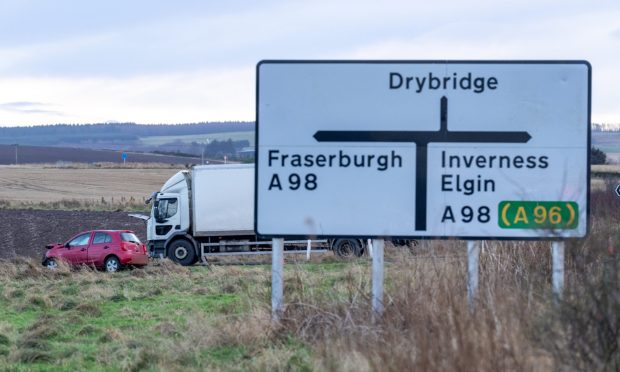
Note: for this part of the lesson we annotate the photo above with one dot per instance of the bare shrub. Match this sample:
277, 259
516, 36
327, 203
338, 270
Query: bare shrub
583, 330
105, 165
426, 324
101, 204
20, 268
248, 330
159, 267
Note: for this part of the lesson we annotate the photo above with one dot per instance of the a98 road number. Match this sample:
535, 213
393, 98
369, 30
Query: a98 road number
293, 181
467, 214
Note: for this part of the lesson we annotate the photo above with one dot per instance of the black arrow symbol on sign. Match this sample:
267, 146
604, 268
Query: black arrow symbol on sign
422, 139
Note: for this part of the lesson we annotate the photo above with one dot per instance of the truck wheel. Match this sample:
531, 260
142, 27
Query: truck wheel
182, 252
346, 248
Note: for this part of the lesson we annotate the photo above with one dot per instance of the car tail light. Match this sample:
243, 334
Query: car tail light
144, 248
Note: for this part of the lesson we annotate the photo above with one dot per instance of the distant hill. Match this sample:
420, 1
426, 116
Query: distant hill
216, 140
605, 127
104, 135
41, 154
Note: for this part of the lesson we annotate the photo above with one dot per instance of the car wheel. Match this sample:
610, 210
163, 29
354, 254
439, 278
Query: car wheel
182, 252
51, 264
346, 248
112, 264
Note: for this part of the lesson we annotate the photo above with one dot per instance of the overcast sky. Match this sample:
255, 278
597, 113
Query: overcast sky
156, 61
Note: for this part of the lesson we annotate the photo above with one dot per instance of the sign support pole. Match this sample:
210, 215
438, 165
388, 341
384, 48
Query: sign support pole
377, 277
557, 269
308, 249
277, 277
473, 255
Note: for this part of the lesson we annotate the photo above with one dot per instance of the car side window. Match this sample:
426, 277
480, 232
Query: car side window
101, 237
80, 240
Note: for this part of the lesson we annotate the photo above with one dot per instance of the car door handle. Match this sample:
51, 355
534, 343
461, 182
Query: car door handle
106, 247
83, 249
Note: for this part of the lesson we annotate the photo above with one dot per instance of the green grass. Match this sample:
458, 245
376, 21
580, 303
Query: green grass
157, 318
171, 318
200, 138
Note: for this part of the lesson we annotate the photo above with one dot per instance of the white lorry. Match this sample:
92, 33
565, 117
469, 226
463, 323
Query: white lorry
209, 210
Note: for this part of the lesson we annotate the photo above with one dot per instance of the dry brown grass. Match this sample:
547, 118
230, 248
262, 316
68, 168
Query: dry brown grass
606, 168
327, 323
96, 165
604, 175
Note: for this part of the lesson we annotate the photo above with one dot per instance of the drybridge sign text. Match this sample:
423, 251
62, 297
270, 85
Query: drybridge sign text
423, 149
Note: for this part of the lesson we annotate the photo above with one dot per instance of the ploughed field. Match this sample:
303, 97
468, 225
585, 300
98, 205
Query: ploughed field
41, 205
26, 232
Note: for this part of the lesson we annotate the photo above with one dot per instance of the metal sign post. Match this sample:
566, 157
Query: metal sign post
473, 255
308, 249
557, 269
277, 277
377, 276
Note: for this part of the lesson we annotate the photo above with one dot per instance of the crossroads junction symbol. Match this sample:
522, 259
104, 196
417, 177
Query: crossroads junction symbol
422, 139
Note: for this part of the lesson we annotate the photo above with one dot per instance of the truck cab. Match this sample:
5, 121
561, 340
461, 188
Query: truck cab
170, 214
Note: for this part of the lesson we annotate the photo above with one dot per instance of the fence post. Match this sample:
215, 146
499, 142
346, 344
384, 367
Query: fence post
277, 277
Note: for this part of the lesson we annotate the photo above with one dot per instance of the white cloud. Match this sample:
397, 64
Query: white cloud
582, 36
196, 62
172, 98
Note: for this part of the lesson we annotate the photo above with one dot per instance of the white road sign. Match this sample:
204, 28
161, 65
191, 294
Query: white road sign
492, 149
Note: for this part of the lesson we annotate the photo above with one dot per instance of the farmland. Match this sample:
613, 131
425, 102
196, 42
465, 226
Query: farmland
167, 317
106, 142
200, 138
42, 154
38, 186
42, 204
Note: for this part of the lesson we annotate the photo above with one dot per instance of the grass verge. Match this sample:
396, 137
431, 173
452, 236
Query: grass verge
166, 317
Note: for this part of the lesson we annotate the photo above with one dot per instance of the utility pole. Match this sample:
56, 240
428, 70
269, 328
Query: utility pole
16, 153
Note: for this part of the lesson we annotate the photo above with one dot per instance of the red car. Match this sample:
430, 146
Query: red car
105, 249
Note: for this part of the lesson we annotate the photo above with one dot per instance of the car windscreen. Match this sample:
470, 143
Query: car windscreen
130, 237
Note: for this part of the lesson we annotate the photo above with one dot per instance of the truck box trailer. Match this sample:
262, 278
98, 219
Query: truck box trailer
209, 210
